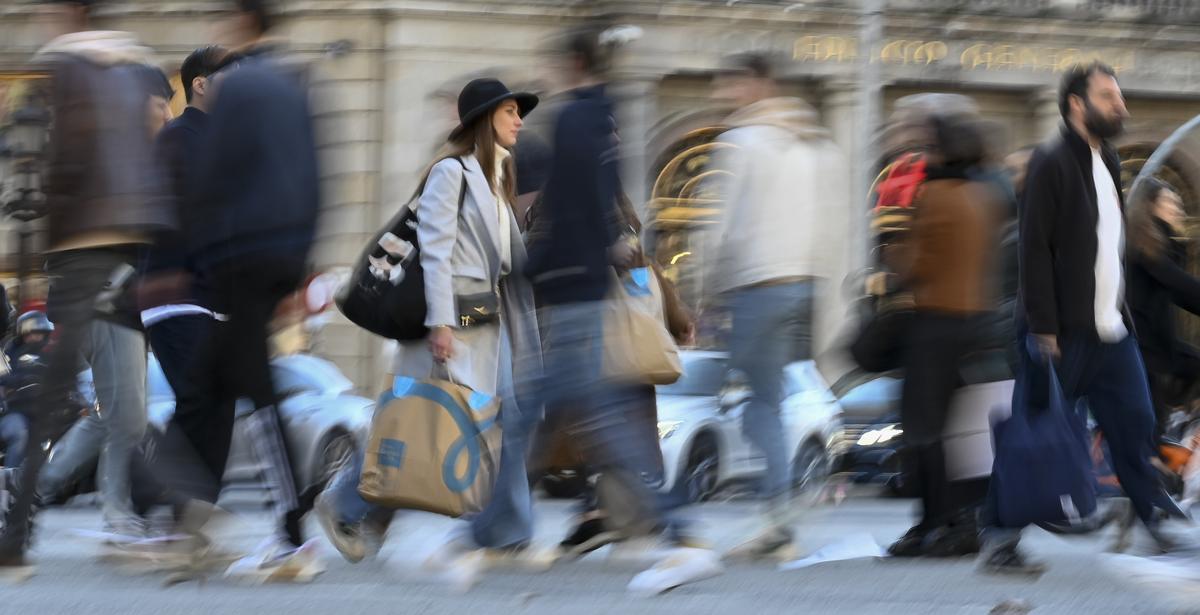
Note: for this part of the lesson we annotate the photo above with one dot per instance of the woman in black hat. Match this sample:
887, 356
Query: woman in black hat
472, 256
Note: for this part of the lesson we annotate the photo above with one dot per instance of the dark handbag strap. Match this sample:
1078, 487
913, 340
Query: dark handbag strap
462, 188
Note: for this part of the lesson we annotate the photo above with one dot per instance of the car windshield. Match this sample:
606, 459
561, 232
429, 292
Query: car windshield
702, 377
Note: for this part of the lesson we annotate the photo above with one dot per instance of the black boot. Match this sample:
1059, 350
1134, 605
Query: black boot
911, 544
957, 538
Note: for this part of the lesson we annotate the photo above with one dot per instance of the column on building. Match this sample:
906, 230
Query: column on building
347, 56
1047, 116
839, 111
637, 109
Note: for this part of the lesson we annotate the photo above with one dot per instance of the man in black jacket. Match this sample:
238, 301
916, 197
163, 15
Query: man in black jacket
570, 242
176, 302
1073, 301
251, 223
573, 244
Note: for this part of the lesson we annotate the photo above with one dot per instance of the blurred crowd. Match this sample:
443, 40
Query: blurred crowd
515, 279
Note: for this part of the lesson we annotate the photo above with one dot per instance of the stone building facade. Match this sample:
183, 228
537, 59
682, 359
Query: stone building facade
387, 71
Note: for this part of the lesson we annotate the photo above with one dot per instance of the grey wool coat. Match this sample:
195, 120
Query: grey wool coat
461, 255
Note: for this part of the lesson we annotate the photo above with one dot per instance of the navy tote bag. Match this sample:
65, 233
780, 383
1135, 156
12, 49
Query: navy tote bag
1042, 471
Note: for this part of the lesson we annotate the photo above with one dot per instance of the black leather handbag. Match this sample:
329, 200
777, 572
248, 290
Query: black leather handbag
880, 344
478, 309
386, 292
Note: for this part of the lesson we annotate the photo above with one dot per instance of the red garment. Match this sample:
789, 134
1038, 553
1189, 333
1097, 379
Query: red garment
899, 188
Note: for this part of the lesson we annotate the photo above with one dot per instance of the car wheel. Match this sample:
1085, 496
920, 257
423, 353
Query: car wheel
810, 469
335, 454
703, 474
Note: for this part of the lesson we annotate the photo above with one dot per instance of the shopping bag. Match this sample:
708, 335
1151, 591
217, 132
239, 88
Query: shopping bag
967, 437
637, 346
434, 446
1043, 469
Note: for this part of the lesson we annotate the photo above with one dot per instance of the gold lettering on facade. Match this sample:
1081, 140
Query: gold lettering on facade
975, 56
1066, 59
825, 49
929, 53
1003, 56
913, 52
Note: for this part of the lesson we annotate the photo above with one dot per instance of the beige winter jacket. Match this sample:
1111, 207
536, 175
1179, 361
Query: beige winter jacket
785, 205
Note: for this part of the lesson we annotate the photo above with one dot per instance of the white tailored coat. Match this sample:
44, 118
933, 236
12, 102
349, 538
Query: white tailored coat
461, 254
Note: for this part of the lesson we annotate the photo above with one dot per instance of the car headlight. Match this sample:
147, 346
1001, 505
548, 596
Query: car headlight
667, 428
879, 436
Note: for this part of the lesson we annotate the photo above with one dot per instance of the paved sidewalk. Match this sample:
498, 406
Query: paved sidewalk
71, 581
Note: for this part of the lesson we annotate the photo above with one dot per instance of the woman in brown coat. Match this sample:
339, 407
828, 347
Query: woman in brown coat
949, 265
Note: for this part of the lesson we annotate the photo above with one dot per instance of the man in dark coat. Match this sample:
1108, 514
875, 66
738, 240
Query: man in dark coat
176, 302
574, 242
1072, 301
250, 225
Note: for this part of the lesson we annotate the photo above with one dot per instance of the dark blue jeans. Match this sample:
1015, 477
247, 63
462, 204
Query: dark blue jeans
772, 326
1110, 378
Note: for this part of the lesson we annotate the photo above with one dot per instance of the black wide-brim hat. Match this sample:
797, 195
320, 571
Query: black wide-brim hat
482, 95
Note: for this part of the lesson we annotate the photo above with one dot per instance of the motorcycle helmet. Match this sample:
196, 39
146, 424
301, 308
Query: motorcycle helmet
33, 322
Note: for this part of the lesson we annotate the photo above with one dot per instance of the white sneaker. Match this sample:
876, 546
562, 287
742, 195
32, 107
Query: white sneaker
456, 565
680, 568
276, 562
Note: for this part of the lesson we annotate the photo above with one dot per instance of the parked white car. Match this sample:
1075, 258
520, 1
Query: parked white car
323, 420
700, 426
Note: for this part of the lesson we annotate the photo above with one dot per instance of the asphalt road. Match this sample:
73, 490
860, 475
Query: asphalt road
71, 580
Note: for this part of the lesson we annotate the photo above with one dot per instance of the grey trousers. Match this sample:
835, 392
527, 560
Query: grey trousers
105, 440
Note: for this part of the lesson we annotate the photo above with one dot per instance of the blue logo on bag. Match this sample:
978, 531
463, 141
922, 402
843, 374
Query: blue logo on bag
401, 386
467, 444
391, 453
479, 401
638, 282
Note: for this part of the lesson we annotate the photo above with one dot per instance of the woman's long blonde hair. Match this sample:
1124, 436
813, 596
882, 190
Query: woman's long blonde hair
480, 139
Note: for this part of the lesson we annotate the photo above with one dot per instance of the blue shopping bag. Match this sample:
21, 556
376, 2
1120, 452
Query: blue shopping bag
1043, 471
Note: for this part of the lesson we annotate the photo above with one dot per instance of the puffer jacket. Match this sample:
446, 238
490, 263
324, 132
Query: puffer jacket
103, 185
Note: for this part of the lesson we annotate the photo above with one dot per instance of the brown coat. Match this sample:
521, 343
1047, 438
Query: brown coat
102, 183
952, 247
